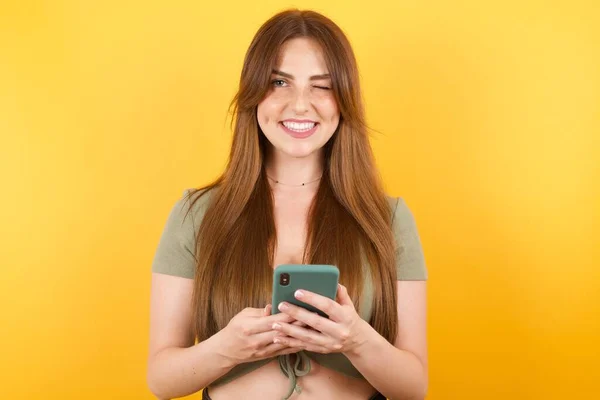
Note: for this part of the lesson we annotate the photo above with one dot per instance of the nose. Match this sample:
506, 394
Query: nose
300, 102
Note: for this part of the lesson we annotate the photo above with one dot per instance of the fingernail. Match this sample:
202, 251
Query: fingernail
276, 340
276, 326
298, 294
282, 307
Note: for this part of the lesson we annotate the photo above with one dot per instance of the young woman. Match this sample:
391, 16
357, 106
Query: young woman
301, 187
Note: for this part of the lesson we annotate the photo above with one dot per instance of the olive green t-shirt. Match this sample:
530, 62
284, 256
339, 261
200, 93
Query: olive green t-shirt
176, 250
175, 256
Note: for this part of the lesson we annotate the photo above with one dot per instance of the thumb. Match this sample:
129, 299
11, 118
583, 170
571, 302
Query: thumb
343, 297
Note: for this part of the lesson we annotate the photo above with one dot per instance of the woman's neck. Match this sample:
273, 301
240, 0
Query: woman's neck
289, 173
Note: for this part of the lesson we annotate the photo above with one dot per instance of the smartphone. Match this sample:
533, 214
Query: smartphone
316, 278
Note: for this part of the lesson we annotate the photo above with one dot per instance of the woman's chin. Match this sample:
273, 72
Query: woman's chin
297, 150
287, 146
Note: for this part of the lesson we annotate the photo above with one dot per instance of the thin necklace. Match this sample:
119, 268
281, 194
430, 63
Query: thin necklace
287, 184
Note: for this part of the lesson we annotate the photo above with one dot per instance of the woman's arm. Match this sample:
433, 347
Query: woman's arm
399, 371
177, 367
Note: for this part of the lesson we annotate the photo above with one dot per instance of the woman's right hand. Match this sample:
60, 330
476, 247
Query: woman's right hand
249, 336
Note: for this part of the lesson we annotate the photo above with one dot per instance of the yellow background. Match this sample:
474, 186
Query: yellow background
488, 120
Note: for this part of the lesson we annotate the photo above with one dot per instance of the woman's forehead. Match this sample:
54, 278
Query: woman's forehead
301, 57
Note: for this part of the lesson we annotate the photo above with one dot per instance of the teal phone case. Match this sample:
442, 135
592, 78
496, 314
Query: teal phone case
321, 279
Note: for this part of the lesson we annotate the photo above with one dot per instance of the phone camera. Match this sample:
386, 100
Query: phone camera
284, 279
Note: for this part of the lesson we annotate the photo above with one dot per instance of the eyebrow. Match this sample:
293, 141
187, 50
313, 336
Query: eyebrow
312, 78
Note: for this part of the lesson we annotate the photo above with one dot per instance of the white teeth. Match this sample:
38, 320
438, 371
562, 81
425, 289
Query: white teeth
300, 127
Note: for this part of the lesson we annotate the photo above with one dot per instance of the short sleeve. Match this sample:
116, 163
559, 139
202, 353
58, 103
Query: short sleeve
410, 261
176, 250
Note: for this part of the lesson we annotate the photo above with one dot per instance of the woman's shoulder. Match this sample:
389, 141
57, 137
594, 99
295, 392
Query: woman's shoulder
196, 198
392, 201
188, 210
175, 254
402, 216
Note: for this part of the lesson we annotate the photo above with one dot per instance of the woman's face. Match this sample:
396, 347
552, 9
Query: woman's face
299, 114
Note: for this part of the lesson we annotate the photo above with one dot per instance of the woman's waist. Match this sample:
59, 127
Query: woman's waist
268, 382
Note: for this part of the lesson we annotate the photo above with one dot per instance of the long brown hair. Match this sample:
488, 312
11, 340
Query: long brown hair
349, 221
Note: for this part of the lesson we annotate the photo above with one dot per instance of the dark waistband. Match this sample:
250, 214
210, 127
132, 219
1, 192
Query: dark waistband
376, 396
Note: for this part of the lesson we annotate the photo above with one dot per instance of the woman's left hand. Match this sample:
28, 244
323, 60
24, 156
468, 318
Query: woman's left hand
344, 332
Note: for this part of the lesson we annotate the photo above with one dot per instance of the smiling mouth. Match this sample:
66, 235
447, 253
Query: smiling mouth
299, 127
301, 130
